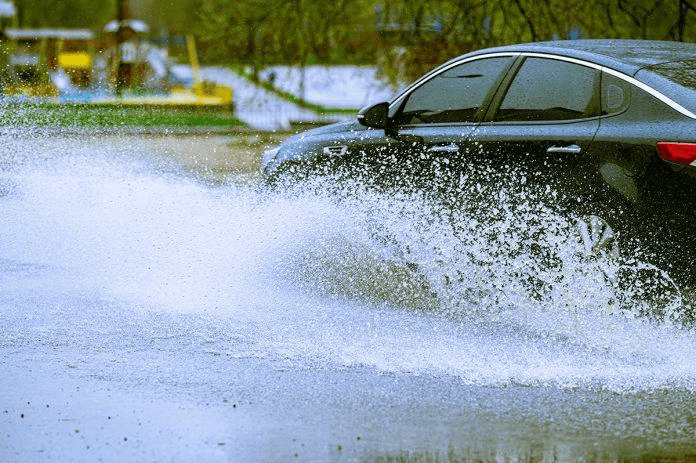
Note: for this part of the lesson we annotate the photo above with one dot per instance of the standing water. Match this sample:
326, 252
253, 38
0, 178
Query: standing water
151, 310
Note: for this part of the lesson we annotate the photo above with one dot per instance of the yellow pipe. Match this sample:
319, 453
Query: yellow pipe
193, 57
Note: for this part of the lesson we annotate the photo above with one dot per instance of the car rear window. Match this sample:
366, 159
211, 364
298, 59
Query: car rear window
683, 72
663, 77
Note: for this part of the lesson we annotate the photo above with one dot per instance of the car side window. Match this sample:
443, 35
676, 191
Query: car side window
616, 94
551, 90
454, 95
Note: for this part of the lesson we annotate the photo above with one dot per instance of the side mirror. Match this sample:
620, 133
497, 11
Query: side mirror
375, 116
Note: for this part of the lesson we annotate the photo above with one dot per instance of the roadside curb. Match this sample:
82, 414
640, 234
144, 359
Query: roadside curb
155, 131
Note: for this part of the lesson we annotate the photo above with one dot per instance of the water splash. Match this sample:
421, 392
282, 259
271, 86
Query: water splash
496, 293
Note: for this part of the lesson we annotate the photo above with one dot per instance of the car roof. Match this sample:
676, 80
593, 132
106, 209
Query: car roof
626, 56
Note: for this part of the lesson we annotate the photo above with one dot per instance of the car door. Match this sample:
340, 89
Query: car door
431, 122
541, 124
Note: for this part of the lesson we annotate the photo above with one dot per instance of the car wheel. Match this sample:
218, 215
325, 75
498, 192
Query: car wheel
643, 289
597, 237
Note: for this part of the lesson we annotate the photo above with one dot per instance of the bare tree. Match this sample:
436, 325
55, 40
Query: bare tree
684, 8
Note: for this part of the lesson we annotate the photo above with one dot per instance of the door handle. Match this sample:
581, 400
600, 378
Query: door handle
451, 148
570, 149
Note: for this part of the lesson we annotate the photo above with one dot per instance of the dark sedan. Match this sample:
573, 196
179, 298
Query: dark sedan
610, 124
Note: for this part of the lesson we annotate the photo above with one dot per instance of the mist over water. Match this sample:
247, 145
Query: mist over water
394, 282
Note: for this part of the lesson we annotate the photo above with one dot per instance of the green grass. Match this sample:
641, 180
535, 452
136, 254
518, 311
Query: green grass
112, 116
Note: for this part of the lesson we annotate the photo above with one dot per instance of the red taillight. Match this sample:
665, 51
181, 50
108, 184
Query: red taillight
681, 153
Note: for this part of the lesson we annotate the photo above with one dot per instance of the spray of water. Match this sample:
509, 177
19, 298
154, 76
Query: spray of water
495, 292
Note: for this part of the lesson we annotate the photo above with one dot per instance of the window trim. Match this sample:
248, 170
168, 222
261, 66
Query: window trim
398, 100
631, 80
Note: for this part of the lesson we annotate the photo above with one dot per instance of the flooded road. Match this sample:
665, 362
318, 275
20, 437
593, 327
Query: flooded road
156, 304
